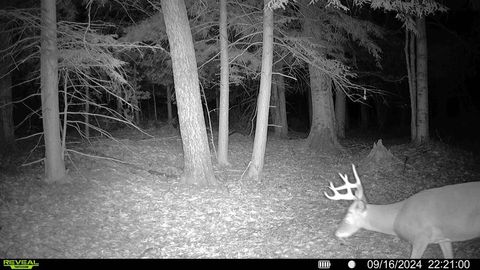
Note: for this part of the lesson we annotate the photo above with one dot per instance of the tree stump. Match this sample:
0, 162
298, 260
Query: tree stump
381, 158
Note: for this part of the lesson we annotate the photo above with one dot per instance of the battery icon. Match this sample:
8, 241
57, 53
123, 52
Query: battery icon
324, 264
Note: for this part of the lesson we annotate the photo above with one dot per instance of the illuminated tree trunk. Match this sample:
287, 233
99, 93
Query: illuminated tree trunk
422, 83
224, 88
322, 136
256, 164
410, 57
154, 105
54, 164
198, 169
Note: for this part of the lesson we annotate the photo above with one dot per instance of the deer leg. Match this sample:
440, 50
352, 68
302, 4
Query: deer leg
446, 249
418, 247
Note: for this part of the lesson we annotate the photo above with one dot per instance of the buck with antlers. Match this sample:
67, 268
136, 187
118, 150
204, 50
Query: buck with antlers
439, 215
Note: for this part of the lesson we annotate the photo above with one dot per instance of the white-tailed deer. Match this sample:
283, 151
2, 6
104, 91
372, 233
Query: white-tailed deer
439, 215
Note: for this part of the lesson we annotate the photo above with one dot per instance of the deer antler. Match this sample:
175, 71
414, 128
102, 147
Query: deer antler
347, 186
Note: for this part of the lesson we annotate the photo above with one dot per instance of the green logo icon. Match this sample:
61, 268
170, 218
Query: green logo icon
20, 264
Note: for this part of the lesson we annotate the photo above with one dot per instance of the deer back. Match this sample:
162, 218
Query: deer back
448, 213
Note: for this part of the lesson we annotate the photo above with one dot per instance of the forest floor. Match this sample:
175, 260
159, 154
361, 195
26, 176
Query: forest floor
115, 210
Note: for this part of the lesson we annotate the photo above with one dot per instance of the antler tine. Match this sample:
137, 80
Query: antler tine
347, 186
359, 193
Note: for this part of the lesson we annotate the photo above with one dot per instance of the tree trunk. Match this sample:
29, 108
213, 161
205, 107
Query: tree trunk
422, 83
278, 101
340, 112
7, 137
137, 109
198, 169
224, 88
54, 164
87, 110
310, 107
256, 165
154, 105
120, 105
322, 135
410, 57
169, 104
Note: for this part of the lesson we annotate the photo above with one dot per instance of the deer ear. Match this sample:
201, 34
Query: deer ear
359, 194
360, 205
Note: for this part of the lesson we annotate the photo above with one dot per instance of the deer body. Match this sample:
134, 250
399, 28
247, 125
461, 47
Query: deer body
439, 215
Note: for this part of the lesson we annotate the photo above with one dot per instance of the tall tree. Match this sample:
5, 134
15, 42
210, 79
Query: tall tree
256, 164
410, 57
224, 88
422, 134
416, 56
322, 134
198, 168
54, 163
7, 137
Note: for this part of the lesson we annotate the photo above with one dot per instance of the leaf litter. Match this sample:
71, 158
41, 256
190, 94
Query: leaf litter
138, 209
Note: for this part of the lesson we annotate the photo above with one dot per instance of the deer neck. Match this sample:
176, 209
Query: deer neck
381, 218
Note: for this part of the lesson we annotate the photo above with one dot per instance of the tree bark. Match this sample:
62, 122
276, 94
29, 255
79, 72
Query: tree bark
87, 110
410, 57
310, 107
137, 108
422, 83
154, 105
169, 104
322, 135
224, 88
340, 112
278, 101
54, 163
7, 137
256, 165
198, 169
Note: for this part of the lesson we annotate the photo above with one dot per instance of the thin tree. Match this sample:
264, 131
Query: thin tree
422, 134
54, 163
340, 112
169, 104
198, 167
410, 57
224, 88
255, 166
416, 56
